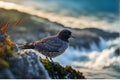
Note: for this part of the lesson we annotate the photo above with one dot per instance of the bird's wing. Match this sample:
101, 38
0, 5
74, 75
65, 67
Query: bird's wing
50, 44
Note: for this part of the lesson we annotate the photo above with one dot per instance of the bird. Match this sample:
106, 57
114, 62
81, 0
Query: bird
51, 46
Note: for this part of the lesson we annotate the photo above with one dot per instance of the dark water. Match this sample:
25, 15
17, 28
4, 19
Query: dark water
85, 7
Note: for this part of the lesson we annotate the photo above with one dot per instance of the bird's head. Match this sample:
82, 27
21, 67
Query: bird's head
64, 35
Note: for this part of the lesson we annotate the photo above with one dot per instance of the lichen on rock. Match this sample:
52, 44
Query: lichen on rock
56, 71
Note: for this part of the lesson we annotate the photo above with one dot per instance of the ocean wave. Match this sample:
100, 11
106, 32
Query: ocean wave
94, 59
69, 21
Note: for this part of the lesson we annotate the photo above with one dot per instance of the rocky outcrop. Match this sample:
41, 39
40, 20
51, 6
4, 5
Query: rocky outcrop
28, 65
56, 71
23, 66
104, 34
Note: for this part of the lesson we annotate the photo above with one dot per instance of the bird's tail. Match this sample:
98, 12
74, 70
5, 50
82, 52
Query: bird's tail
27, 46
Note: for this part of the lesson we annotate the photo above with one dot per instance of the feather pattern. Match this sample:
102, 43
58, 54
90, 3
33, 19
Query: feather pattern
51, 45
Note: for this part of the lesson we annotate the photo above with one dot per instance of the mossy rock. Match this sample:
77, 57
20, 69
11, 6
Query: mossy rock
56, 71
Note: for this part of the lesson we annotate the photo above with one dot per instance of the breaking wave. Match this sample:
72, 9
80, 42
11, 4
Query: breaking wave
98, 57
62, 17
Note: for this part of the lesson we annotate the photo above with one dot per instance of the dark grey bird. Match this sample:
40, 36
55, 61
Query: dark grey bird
52, 46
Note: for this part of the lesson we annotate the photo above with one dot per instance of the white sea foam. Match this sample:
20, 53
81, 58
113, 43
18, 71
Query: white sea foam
94, 59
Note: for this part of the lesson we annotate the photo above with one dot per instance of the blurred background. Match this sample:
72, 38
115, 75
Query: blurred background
95, 24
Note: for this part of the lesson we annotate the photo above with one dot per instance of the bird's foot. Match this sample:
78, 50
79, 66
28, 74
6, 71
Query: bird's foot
54, 63
47, 59
51, 61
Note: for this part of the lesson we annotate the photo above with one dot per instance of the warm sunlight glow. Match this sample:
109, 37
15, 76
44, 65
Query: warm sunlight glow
80, 22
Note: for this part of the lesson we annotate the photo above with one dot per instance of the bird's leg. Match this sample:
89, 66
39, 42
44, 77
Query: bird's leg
47, 58
52, 60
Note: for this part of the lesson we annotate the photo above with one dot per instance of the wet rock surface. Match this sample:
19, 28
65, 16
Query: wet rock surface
56, 71
26, 66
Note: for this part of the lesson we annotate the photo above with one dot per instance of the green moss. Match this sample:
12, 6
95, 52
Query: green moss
3, 63
8, 52
5, 53
56, 71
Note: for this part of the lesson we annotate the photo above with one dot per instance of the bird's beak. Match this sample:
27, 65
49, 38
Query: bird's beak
72, 36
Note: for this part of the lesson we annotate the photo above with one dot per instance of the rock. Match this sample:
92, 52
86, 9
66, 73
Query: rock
117, 52
56, 71
102, 33
12, 65
6, 74
28, 66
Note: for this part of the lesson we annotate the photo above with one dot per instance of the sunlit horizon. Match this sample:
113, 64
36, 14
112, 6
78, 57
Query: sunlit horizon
79, 22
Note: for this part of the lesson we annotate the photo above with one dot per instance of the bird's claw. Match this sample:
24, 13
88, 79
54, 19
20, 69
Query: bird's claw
51, 61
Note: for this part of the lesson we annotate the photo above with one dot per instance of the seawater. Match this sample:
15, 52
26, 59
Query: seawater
97, 62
